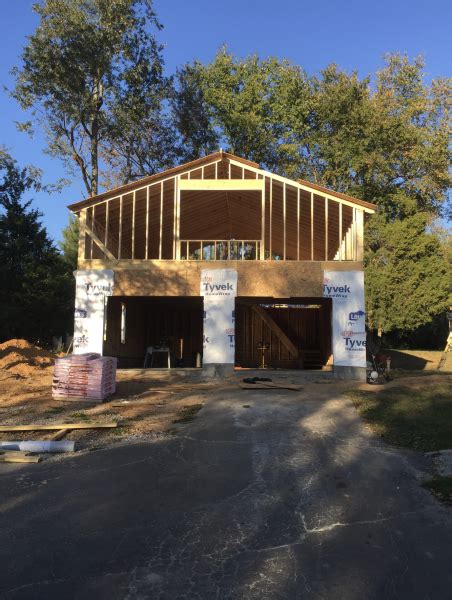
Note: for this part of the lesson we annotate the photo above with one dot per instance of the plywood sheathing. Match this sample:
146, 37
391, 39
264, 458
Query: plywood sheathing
255, 278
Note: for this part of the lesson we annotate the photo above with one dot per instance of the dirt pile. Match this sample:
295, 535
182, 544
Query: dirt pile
19, 357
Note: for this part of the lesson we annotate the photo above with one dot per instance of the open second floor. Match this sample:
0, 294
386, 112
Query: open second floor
220, 208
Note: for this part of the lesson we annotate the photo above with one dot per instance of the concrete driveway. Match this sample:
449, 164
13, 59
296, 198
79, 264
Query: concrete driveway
290, 498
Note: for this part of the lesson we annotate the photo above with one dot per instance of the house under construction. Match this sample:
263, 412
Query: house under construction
218, 262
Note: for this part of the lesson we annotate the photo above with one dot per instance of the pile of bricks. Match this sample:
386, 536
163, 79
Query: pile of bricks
86, 376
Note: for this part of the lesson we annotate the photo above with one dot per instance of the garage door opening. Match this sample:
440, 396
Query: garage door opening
283, 333
171, 327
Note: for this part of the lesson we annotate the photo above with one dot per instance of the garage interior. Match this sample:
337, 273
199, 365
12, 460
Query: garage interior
272, 333
135, 323
284, 333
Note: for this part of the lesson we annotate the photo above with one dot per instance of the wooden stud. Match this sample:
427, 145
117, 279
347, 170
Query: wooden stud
178, 199
262, 244
271, 218
120, 227
340, 232
161, 221
133, 224
107, 222
284, 221
298, 224
312, 225
82, 234
147, 224
326, 228
92, 228
99, 242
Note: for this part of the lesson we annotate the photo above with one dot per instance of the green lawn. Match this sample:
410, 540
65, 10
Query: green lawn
404, 416
420, 419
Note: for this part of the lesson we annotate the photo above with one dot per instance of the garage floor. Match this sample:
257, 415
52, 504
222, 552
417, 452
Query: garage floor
266, 495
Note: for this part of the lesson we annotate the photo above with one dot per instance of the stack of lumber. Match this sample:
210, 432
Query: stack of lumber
86, 376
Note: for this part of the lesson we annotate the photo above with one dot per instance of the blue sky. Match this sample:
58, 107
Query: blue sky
355, 34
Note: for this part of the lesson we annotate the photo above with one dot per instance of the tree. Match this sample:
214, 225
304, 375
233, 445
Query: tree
69, 243
92, 75
407, 275
35, 286
248, 106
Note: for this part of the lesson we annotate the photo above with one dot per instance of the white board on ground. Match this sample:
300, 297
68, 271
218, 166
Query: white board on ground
91, 289
346, 289
219, 288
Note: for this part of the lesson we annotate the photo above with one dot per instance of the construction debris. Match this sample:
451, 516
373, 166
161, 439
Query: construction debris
18, 457
39, 446
86, 376
262, 383
56, 426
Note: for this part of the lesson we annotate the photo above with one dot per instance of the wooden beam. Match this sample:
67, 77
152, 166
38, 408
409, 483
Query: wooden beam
146, 255
312, 225
262, 245
221, 184
57, 426
101, 245
284, 220
161, 221
82, 232
298, 224
58, 435
133, 223
120, 227
276, 329
18, 457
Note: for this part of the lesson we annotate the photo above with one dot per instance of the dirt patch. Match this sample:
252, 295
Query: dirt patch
24, 359
143, 408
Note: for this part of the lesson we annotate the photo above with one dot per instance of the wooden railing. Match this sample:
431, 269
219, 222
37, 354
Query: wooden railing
220, 249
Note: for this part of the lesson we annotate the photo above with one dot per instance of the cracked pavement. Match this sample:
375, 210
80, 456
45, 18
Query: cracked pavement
290, 498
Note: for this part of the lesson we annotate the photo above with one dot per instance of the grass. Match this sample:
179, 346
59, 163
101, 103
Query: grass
80, 415
441, 487
188, 413
413, 418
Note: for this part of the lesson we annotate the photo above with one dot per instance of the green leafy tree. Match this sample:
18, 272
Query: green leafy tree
91, 75
407, 275
35, 286
248, 106
69, 243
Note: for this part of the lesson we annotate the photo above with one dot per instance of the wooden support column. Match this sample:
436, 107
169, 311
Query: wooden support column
146, 254
161, 221
326, 228
177, 186
120, 227
298, 224
341, 257
312, 225
133, 224
107, 221
82, 234
271, 219
359, 232
284, 222
262, 245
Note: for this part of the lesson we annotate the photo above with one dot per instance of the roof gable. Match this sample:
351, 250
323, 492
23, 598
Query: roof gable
208, 160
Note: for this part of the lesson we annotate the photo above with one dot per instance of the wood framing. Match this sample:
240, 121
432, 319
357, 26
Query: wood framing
216, 201
276, 329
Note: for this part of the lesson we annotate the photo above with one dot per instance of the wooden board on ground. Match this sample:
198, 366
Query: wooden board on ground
58, 435
267, 385
57, 426
16, 456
